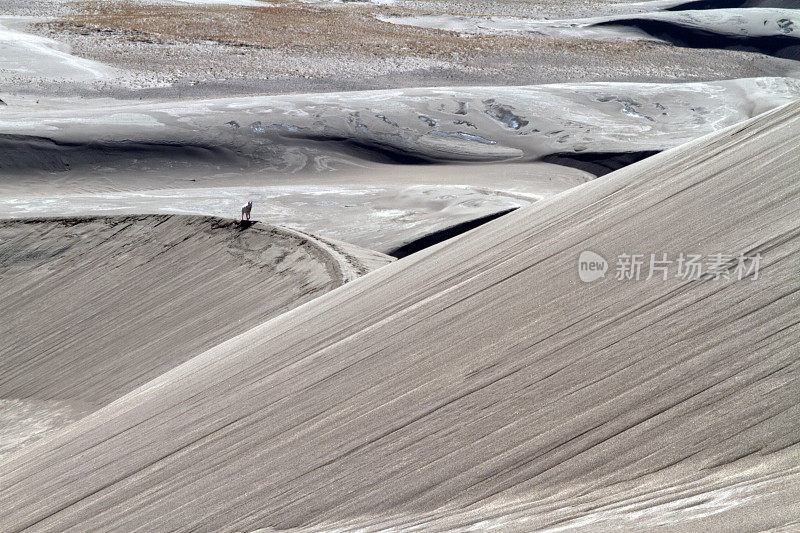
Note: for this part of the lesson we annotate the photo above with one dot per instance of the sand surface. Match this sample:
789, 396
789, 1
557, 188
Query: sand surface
127, 107
481, 379
376, 168
164, 367
24, 54
95, 307
771, 31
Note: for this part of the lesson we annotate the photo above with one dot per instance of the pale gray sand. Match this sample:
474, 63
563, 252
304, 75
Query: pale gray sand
23, 54
765, 30
94, 307
478, 386
291, 133
482, 375
377, 216
23, 420
357, 166
732, 22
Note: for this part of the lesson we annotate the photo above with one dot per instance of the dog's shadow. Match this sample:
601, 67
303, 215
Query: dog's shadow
244, 224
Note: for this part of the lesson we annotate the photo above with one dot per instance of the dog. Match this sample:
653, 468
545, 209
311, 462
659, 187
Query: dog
246, 210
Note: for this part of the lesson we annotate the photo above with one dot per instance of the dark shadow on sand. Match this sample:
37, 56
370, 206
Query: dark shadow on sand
442, 235
34, 153
783, 46
726, 4
597, 163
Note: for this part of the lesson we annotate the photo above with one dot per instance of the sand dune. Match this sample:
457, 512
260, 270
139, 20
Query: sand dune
95, 307
292, 133
764, 30
481, 383
176, 372
682, 5
328, 164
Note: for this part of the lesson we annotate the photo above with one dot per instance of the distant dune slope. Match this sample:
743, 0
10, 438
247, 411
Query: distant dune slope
328, 163
482, 373
94, 307
287, 134
720, 4
766, 30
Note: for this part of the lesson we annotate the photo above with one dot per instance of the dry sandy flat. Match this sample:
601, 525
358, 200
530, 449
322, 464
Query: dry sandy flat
178, 50
482, 380
94, 307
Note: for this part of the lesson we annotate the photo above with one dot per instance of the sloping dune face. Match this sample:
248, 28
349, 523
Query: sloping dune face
483, 374
765, 30
720, 4
93, 308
